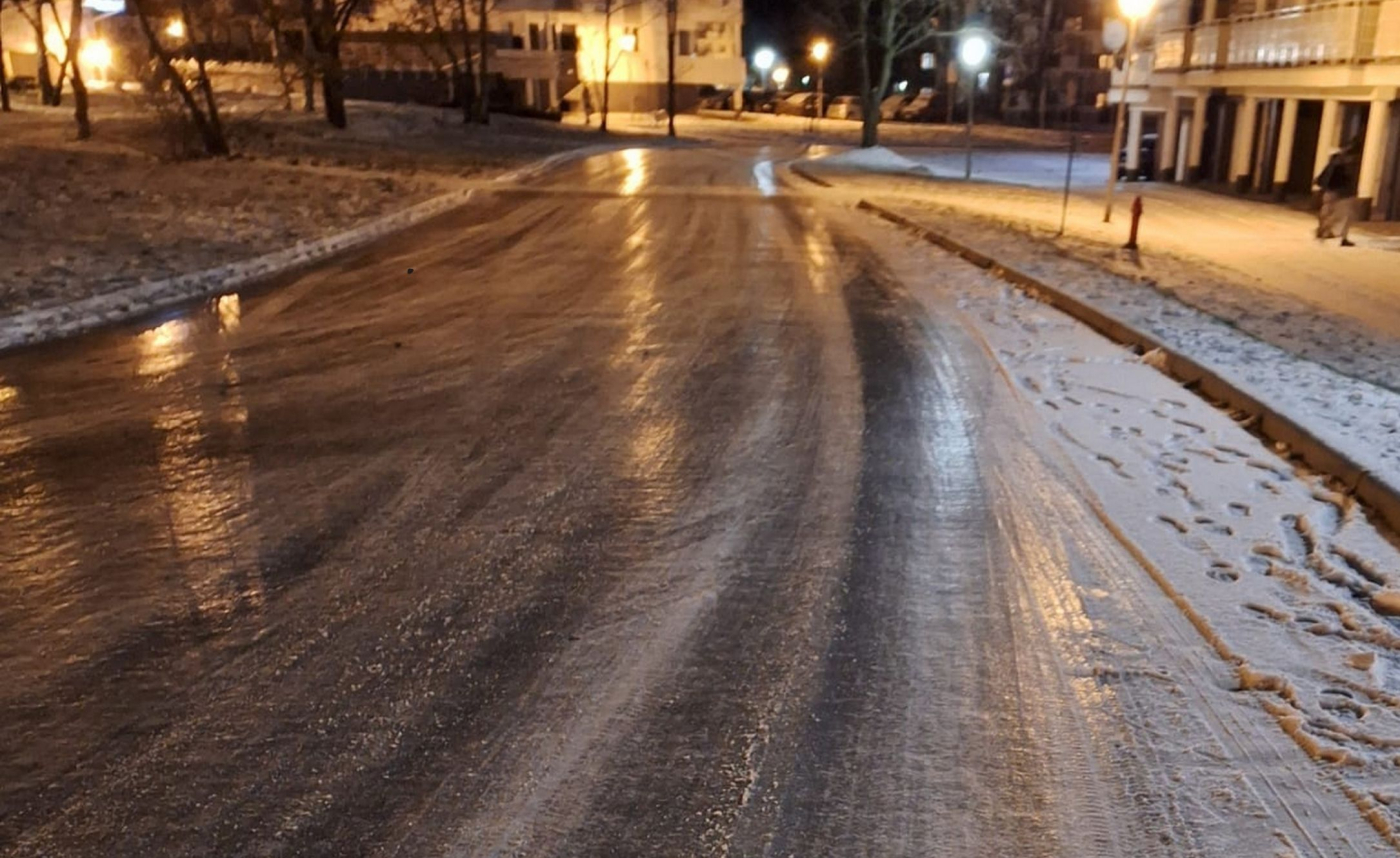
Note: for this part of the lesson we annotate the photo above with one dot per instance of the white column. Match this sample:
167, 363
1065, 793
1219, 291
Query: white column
1373, 153
1327, 133
1198, 137
1134, 160
1166, 139
1288, 129
1244, 138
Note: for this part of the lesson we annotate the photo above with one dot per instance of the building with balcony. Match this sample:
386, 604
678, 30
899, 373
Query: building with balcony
1257, 94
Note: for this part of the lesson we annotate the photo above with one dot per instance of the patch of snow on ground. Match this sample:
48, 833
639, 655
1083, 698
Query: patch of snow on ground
876, 158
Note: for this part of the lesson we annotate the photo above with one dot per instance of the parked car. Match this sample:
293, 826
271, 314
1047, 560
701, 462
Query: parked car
716, 98
917, 109
760, 101
844, 107
892, 103
1147, 160
799, 104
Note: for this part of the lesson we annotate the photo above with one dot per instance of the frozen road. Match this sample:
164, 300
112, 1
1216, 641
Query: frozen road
647, 516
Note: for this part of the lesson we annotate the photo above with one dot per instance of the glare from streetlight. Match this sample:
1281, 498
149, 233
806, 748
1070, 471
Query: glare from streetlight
781, 75
764, 58
1135, 10
974, 49
175, 29
96, 54
627, 43
821, 50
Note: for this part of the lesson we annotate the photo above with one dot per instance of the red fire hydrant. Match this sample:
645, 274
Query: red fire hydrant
1137, 216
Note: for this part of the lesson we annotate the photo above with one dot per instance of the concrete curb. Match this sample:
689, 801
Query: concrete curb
41, 324
814, 179
1371, 489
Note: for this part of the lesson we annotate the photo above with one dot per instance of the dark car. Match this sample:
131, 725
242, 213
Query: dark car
917, 109
760, 101
799, 104
716, 98
890, 107
1147, 159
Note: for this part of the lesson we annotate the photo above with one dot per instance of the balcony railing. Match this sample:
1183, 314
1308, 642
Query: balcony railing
1340, 31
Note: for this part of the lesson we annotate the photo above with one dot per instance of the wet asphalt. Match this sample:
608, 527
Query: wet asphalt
643, 516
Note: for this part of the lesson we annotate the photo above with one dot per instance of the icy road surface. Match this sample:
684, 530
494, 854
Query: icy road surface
660, 511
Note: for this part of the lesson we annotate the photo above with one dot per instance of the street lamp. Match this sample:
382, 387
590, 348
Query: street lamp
820, 53
175, 29
763, 60
974, 48
781, 75
1134, 11
627, 43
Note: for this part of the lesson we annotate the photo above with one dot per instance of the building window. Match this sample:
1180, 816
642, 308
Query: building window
568, 38
535, 43
685, 43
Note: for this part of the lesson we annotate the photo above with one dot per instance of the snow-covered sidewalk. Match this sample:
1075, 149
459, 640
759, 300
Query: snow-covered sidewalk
1347, 415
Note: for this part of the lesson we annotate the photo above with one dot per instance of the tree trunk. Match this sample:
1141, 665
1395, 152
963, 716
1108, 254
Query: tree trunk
4, 82
466, 86
46, 91
308, 84
333, 87
80, 96
607, 63
483, 104
1047, 19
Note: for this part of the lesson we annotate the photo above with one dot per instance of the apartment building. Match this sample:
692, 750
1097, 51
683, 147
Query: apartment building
1257, 94
545, 52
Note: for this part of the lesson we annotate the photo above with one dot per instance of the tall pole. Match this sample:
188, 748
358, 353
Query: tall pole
971, 104
671, 67
1118, 121
821, 96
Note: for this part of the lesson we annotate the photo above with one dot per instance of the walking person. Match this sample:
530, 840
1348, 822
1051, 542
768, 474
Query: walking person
1338, 182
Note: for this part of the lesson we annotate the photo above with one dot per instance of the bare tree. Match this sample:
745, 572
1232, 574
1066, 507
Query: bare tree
881, 31
611, 7
447, 26
80, 95
483, 75
203, 112
4, 80
49, 94
326, 21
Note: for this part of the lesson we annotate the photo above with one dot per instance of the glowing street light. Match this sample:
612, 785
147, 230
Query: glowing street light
1134, 11
820, 53
175, 29
781, 74
974, 49
627, 43
763, 60
96, 54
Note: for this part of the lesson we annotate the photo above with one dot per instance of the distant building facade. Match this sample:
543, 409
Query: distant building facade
1256, 94
547, 53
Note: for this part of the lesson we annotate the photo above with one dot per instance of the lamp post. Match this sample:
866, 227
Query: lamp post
763, 60
974, 47
1133, 10
820, 53
781, 74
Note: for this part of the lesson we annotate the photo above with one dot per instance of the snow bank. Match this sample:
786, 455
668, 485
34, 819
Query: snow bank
876, 159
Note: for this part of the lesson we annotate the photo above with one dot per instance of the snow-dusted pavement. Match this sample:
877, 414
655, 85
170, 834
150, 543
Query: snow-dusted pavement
664, 509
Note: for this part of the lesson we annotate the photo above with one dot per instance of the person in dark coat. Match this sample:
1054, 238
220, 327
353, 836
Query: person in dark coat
1338, 182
